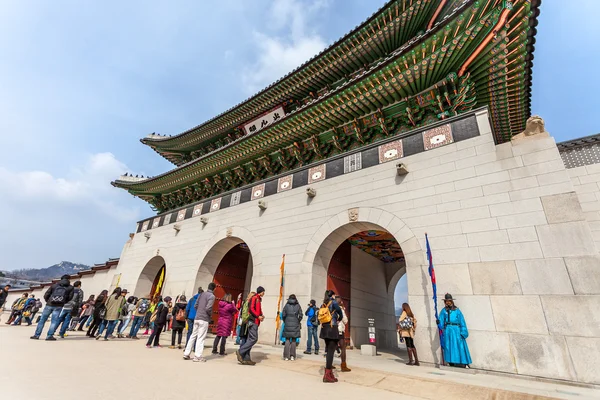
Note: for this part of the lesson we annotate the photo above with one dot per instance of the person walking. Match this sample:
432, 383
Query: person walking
407, 325
98, 314
148, 323
204, 306
34, 310
190, 313
127, 312
56, 296
123, 311
342, 331
178, 324
452, 323
159, 318
139, 314
244, 318
113, 309
329, 314
86, 312
312, 325
227, 311
169, 316
3, 296
292, 318
70, 308
255, 318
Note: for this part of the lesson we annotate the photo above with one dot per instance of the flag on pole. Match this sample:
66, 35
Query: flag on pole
278, 318
434, 286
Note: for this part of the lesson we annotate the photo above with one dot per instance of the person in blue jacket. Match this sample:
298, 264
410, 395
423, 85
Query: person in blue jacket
312, 324
190, 313
455, 332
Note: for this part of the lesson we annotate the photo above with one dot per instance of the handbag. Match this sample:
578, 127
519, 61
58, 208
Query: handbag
406, 324
27, 314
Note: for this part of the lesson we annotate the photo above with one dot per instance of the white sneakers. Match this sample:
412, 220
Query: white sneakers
199, 359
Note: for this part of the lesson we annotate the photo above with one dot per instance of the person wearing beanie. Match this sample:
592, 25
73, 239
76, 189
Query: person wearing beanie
256, 317
312, 325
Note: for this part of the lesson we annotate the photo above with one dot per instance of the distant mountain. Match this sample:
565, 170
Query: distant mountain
47, 274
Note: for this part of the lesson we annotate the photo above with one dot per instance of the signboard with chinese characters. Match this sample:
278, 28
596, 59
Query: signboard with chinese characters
371, 330
264, 121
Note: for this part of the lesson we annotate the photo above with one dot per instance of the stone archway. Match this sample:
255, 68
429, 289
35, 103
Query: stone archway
153, 276
326, 243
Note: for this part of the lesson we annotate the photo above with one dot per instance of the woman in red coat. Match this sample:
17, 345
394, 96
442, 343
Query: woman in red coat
226, 312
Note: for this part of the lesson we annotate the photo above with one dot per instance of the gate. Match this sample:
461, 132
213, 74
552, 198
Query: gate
339, 279
230, 277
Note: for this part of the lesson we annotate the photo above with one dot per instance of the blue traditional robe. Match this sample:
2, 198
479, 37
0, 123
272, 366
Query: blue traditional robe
452, 323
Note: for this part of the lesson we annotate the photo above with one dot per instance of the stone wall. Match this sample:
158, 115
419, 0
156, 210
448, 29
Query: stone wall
586, 181
509, 236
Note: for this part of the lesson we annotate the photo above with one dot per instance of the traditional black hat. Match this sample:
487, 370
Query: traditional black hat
448, 296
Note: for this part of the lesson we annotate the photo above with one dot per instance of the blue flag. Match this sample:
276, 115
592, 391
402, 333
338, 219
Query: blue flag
433, 285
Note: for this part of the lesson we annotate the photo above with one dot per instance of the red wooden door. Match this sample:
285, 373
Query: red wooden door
230, 277
339, 278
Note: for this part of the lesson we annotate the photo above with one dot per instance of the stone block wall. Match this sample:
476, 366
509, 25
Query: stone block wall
511, 240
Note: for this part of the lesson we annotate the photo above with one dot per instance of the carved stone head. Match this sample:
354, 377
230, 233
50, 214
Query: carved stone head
535, 124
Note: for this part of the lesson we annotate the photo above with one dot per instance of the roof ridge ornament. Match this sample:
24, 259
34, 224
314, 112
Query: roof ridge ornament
535, 128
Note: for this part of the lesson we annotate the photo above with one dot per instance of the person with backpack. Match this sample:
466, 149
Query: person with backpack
244, 317
292, 318
238, 306
86, 312
113, 306
148, 322
204, 307
159, 319
255, 318
127, 314
26, 311
34, 310
139, 314
227, 311
190, 313
178, 324
17, 308
329, 314
407, 325
56, 296
312, 325
70, 308
98, 314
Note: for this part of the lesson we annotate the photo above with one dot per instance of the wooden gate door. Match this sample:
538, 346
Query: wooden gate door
339, 278
230, 277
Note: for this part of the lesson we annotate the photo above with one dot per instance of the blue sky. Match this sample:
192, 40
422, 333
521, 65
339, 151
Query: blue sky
82, 82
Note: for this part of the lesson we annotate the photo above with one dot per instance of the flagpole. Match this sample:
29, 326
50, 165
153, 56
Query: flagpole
434, 287
281, 284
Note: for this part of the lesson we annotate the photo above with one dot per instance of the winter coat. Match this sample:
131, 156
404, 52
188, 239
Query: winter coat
89, 308
204, 306
161, 314
310, 313
226, 312
99, 305
408, 332
176, 308
50, 297
3, 295
76, 302
292, 316
190, 309
113, 307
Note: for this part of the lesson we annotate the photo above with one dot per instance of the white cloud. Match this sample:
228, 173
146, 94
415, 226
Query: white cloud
293, 42
87, 187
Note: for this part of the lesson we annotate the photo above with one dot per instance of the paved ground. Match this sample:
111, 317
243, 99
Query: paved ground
80, 368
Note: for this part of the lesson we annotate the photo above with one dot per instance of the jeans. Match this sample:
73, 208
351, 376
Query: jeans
18, 320
155, 335
290, 348
250, 341
82, 322
176, 332
109, 326
190, 328
312, 333
237, 334
125, 324
135, 327
55, 311
196, 341
65, 319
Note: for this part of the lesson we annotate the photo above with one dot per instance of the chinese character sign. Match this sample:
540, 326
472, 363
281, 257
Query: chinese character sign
264, 121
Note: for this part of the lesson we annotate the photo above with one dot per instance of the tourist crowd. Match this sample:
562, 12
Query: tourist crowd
118, 315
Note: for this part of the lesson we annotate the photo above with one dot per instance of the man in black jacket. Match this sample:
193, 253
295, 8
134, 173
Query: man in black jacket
56, 296
3, 296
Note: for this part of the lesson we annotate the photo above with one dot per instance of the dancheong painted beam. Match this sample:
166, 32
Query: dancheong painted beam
410, 65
